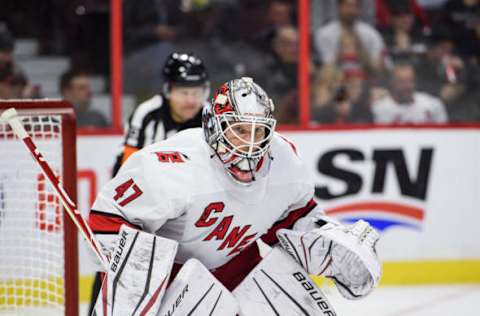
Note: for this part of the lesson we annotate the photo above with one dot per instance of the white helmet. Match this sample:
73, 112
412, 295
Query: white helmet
239, 126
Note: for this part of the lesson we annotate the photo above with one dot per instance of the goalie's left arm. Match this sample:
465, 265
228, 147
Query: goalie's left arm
343, 253
323, 246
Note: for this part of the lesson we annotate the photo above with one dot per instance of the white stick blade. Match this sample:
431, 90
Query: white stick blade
8, 114
11, 116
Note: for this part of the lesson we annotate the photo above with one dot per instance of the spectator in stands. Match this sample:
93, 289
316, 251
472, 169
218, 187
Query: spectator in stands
14, 84
352, 56
348, 30
326, 82
337, 111
441, 65
385, 8
20, 86
348, 104
75, 87
6, 45
279, 75
7, 90
462, 17
404, 39
279, 13
324, 11
150, 27
406, 105
453, 79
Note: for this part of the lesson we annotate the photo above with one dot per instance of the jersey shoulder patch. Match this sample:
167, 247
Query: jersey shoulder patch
181, 148
167, 156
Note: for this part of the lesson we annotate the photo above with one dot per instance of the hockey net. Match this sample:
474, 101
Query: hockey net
38, 242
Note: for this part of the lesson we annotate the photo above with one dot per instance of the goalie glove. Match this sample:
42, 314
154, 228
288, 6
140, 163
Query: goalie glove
345, 254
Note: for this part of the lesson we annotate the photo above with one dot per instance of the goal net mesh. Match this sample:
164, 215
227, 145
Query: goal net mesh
31, 222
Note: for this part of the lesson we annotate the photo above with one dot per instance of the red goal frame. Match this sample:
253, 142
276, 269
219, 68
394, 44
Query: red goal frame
65, 109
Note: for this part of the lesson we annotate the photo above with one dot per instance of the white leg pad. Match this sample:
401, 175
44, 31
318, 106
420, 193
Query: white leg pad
137, 276
196, 292
280, 286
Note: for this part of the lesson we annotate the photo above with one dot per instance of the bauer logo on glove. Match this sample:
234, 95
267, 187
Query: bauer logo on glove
345, 254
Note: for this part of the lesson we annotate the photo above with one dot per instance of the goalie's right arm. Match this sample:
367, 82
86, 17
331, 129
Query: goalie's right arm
127, 199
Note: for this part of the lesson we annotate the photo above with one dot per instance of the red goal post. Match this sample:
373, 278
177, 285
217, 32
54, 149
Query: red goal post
38, 241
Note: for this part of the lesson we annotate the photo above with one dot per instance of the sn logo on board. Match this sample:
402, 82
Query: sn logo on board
359, 185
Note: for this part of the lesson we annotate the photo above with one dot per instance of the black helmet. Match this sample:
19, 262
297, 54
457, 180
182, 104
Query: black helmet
185, 69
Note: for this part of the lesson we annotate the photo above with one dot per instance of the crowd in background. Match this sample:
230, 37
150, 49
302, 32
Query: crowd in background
401, 63
373, 61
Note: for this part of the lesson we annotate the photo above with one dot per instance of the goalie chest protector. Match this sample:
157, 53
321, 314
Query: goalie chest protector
179, 189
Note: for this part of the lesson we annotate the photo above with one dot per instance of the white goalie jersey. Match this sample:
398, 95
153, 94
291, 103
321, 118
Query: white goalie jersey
179, 190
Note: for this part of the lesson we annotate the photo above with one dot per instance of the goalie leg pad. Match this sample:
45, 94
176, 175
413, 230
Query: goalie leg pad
195, 291
280, 286
137, 276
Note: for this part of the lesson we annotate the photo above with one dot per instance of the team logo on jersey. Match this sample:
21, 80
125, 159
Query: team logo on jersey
171, 156
232, 237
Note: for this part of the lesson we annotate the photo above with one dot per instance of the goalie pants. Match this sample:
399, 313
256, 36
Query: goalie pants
234, 271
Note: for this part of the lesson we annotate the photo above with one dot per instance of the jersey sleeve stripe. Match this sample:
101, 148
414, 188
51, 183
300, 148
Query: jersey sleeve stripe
107, 223
270, 237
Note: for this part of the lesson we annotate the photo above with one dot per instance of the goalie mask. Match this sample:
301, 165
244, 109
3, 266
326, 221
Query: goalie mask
239, 126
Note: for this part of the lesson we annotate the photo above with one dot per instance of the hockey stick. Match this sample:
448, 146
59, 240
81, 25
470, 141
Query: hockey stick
11, 117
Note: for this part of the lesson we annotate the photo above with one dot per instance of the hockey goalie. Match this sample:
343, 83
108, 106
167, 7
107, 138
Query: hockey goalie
191, 208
